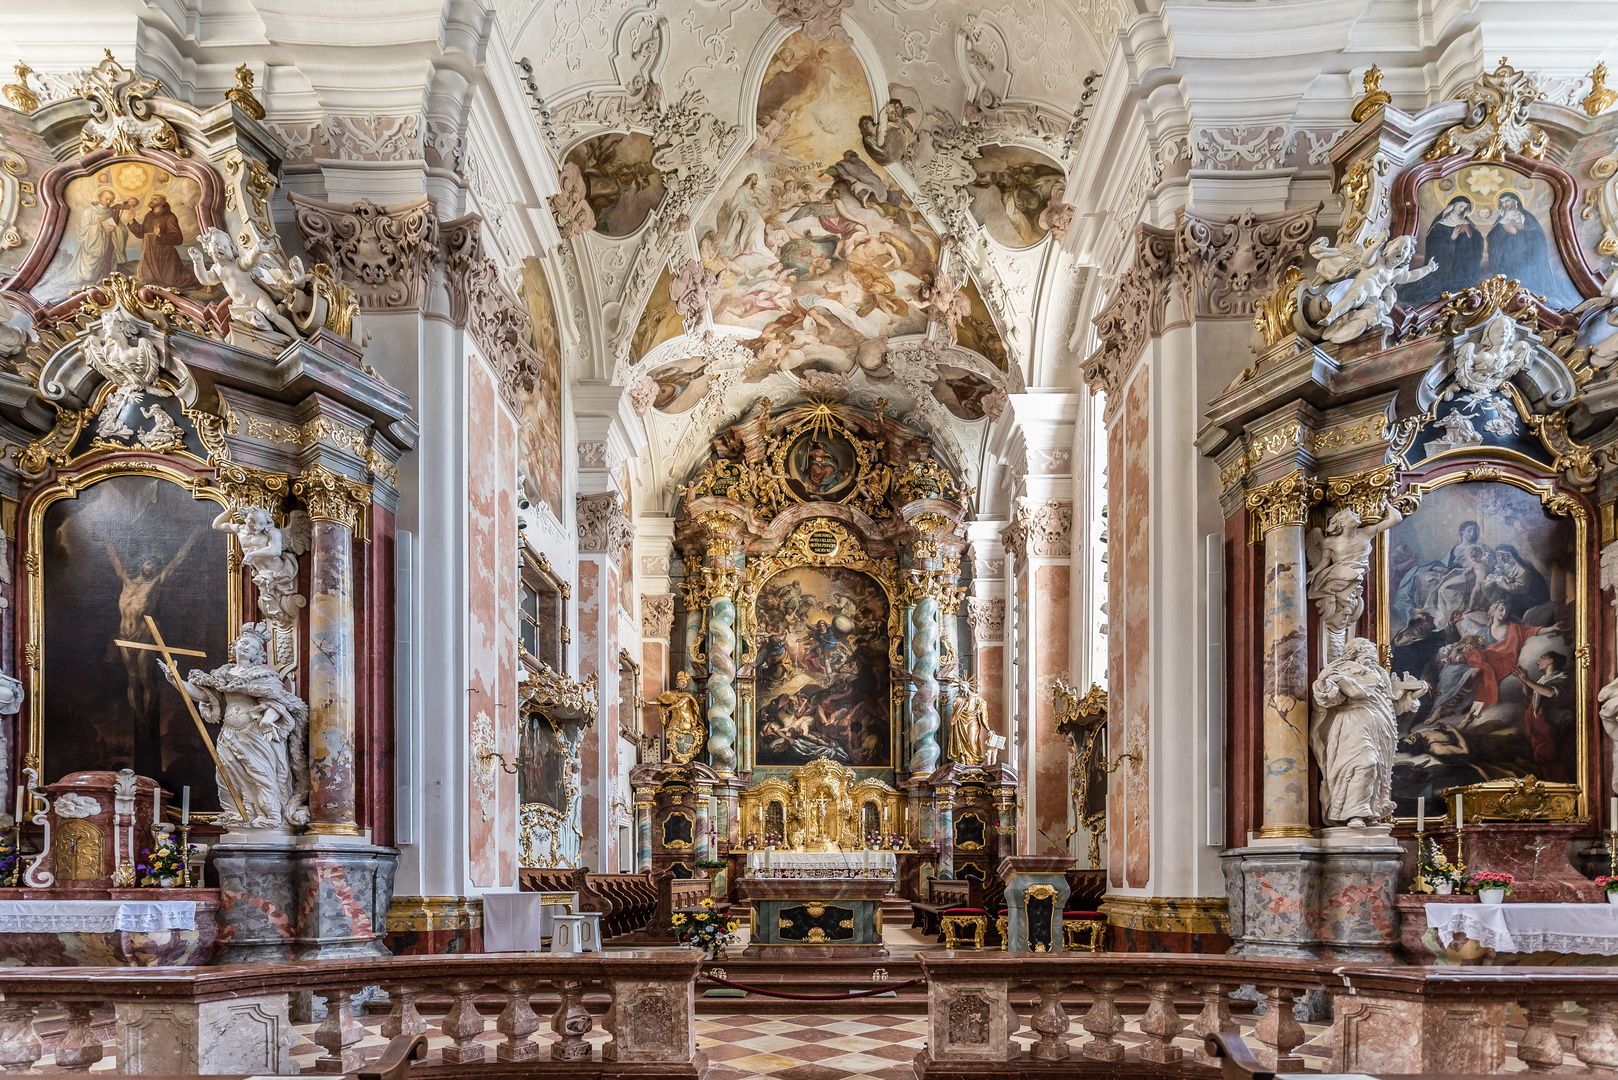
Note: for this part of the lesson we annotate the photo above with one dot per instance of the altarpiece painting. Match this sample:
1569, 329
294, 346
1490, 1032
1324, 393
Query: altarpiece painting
822, 669
1483, 597
129, 545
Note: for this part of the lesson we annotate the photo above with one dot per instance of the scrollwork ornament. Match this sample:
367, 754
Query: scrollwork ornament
1284, 502
333, 497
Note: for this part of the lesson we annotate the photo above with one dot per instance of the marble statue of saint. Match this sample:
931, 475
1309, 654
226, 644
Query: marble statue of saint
271, 553
968, 725
1355, 733
263, 737
683, 731
1339, 558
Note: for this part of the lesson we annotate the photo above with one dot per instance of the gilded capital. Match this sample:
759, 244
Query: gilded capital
1369, 493
1283, 502
244, 485
333, 497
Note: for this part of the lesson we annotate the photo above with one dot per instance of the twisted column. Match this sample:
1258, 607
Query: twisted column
924, 722
1280, 509
722, 683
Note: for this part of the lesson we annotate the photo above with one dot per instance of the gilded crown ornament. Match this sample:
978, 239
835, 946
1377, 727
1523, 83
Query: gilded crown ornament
1496, 121
1375, 97
19, 94
1597, 101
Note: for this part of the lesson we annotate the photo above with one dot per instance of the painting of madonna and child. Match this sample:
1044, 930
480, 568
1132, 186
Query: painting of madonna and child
1483, 220
822, 669
1483, 589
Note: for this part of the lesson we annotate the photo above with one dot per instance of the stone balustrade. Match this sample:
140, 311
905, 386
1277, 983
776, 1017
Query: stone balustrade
234, 1020
1385, 1019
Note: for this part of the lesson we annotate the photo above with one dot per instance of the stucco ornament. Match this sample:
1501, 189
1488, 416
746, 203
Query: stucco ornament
130, 360
1372, 270
74, 805
271, 553
690, 291
263, 736
1355, 733
1501, 351
820, 19
11, 695
247, 277
571, 205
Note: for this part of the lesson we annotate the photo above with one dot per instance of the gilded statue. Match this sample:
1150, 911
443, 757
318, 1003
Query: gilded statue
683, 730
968, 725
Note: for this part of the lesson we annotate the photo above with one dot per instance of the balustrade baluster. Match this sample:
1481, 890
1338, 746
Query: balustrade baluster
462, 1025
517, 1021
1050, 1020
1540, 1048
339, 1034
1162, 1022
1279, 1031
1597, 1045
19, 1042
403, 1019
80, 1047
1103, 1021
1215, 1016
571, 1022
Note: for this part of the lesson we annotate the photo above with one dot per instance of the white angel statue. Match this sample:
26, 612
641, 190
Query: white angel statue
1376, 268
272, 554
1339, 558
247, 277
263, 737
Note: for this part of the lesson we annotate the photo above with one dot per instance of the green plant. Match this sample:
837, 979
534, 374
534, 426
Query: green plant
1437, 868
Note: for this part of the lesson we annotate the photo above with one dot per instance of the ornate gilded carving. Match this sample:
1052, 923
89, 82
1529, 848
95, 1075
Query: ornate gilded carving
1369, 493
1283, 502
1526, 798
331, 496
1374, 98
1272, 316
559, 697
56, 445
242, 94
1596, 102
383, 253
1496, 122
1473, 307
19, 94
246, 486
121, 116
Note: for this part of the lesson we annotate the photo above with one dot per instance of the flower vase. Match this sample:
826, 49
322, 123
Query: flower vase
1491, 896
167, 883
1612, 898
1443, 888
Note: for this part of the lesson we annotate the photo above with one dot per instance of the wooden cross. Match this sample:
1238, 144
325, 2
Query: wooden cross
191, 706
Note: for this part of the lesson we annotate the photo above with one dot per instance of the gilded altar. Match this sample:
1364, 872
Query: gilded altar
821, 807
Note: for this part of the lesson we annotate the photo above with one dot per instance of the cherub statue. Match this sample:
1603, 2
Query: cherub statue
943, 302
1339, 558
245, 275
571, 205
272, 554
263, 737
11, 695
1355, 733
1375, 269
1501, 351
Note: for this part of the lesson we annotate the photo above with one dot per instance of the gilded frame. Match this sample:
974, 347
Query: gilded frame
1555, 502
1042, 891
68, 487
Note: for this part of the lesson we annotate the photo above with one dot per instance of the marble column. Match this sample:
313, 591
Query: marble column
944, 810
643, 828
720, 575
338, 510
924, 648
701, 848
1280, 509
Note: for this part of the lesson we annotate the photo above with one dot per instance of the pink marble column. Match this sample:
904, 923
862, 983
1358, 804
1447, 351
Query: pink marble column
1281, 508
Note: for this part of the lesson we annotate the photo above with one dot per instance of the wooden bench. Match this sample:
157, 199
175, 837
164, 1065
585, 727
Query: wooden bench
626, 902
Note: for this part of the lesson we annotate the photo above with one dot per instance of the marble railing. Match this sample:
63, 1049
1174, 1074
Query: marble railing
1385, 1019
234, 1020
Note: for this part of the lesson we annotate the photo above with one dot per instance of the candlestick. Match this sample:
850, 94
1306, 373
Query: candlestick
185, 805
185, 848
1460, 810
1421, 814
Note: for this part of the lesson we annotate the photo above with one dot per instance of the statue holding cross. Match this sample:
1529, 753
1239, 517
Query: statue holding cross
262, 753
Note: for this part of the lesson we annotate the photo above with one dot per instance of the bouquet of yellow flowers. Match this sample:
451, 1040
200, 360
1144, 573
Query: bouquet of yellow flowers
705, 929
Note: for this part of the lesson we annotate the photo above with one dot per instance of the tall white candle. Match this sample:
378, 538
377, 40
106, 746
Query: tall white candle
19, 804
1421, 813
185, 805
1460, 810
1612, 815
157, 803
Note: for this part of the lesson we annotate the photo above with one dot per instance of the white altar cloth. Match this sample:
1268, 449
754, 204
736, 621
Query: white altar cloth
822, 864
1590, 929
95, 916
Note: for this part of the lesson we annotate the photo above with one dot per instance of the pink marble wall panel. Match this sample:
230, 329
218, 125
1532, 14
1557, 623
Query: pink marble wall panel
1132, 725
1052, 587
1025, 664
1117, 594
590, 748
506, 605
483, 613
610, 705
992, 684
654, 662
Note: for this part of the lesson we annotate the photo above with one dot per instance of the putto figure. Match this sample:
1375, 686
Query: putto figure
1372, 271
263, 736
272, 554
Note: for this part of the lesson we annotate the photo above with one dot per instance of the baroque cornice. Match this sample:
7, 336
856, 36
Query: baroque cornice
384, 253
1135, 312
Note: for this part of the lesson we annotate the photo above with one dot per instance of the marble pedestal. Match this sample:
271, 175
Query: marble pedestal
1035, 884
304, 901
1331, 898
815, 918
1508, 847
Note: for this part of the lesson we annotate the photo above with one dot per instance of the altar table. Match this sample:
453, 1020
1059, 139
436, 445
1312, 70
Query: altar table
1567, 929
95, 916
116, 931
815, 918
822, 864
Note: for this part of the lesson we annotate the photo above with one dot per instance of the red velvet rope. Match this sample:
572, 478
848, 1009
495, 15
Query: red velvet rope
883, 989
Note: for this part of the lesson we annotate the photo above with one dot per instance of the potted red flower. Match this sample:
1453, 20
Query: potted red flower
1491, 886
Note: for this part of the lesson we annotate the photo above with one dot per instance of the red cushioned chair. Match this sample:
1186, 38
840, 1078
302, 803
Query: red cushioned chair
957, 918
